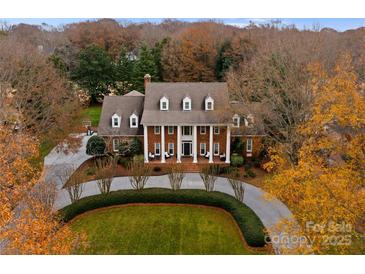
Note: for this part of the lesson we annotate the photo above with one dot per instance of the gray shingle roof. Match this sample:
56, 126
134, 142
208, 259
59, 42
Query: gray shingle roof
176, 92
123, 106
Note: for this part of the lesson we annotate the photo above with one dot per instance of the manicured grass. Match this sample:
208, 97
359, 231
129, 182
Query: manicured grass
160, 229
93, 113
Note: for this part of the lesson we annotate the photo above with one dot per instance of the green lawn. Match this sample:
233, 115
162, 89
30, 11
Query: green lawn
160, 229
92, 113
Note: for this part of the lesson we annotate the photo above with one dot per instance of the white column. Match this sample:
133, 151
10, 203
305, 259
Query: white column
228, 145
178, 149
163, 144
145, 143
195, 145
210, 144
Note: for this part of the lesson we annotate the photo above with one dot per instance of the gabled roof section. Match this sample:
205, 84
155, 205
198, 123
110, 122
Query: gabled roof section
176, 92
134, 93
123, 106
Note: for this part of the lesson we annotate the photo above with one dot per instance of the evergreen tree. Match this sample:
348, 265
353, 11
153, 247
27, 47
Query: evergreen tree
95, 72
157, 54
124, 72
144, 65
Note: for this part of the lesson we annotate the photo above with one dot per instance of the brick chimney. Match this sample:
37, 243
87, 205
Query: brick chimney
147, 79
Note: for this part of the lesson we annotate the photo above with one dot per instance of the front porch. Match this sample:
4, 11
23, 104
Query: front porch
187, 163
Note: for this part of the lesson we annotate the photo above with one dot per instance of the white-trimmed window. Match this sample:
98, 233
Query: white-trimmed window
156, 130
187, 103
170, 130
236, 120
133, 121
203, 149
187, 131
203, 130
164, 103
116, 145
209, 103
249, 145
216, 149
157, 148
216, 130
170, 147
115, 120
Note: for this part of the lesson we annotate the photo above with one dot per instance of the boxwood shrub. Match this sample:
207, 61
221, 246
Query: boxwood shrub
249, 223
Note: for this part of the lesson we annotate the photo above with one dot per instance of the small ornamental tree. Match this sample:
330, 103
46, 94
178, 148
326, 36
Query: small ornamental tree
95, 146
139, 174
176, 177
208, 175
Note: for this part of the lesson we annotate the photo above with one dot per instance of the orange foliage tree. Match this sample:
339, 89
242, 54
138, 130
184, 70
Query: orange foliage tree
325, 189
27, 223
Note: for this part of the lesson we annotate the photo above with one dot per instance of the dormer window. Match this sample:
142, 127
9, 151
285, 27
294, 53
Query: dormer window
209, 103
164, 103
115, 121
249, 120
187, 103
236, 120
133, 121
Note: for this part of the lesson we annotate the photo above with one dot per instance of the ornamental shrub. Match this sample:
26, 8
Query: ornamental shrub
95, 146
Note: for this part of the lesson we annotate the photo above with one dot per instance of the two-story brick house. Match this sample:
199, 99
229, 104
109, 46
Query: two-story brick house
177, 122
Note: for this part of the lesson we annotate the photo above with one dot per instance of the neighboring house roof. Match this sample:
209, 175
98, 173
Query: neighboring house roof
134, 93
243, 111
176, 92
124, 107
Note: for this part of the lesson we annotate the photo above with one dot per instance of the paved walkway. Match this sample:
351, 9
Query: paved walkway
56, 162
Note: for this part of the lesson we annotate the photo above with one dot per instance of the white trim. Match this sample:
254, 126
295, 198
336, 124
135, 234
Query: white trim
145, 143
249, 141
168, 130
214, 128
190, 129
133, 116
205, 130
214, 145
154, 130
163, 160
236, 117
116, 143
159, 145
115, 116
205, 149
164, 100
169, 147
187, 100
207, 101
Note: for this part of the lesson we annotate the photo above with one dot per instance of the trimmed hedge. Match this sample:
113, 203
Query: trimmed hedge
249, 223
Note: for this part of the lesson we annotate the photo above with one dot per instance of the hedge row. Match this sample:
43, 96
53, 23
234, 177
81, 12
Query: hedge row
249, 223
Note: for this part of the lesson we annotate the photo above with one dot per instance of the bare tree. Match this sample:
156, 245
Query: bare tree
238, 188
176, 176
140, 173
105, 172
208, 175
73, 180
75, 192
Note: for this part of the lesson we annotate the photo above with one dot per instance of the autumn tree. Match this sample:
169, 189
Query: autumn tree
326, 186
107, 34
191, 56
34, 96
232, 53
274, 88
28, 224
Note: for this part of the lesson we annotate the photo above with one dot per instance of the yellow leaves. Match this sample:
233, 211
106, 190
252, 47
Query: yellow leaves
327, 184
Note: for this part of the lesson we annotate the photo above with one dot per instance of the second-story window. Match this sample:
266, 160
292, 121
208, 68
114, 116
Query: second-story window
236, 121
133, 121
164, 103
216, 130
156, 129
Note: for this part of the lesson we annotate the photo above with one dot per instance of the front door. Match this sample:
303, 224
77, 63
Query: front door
186, 148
